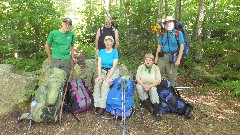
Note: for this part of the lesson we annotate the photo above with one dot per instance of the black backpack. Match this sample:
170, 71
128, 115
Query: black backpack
171, 101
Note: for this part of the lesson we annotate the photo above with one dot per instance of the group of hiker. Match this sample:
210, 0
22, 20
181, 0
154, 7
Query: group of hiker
60, 50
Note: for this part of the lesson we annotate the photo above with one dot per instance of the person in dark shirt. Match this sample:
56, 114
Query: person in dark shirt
107, 30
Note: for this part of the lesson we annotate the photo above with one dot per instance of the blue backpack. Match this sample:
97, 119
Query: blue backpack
171, 101
121, 93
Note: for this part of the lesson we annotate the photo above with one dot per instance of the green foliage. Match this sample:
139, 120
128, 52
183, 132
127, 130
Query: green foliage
26, 24
29, 93
89, 51
233, 85
23, 64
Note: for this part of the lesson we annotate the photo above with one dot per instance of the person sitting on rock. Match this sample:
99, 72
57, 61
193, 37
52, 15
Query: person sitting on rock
148, 77
107, 72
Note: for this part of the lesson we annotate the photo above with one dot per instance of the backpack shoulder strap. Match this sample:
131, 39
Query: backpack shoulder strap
177, 34
162, 33
101, 30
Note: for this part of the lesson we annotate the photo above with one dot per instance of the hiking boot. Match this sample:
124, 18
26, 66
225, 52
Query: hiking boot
157, 113
100, 112
148, 105
95, 109
158, 116
187, 115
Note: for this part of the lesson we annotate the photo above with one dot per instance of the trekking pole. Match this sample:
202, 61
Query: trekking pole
65, 92
181, 88
123, 84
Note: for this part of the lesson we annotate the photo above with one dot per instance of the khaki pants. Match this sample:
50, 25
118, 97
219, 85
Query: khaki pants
168, 70
62, 64
143, 95
101, 89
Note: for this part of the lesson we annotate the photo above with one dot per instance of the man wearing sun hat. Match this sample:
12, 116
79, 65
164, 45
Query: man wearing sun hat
169, 51
60, 46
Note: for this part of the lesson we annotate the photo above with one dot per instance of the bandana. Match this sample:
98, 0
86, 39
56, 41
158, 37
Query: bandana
148, 68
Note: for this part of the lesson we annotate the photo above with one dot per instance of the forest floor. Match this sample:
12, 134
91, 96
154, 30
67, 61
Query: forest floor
214, 113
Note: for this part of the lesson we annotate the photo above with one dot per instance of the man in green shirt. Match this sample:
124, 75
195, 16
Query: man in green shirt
60, 46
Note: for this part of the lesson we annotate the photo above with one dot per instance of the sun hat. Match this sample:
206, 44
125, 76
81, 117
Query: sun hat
109, 37
169, 18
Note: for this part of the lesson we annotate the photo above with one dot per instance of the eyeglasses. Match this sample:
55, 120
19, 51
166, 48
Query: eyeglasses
169, 21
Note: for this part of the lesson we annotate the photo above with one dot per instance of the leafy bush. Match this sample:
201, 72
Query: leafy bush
233, 85
89, 51
23, 63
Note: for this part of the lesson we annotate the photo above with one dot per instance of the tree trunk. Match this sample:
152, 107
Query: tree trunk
178, 9
166, 7
208, 35
160, 8
198, 30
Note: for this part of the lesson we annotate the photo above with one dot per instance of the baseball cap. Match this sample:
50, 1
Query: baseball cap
67, 20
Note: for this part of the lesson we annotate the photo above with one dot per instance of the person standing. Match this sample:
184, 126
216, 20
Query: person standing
107, 30
60, 47
169, 51
107, 72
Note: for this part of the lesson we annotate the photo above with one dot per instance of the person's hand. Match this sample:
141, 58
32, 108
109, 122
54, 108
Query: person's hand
49, 58
177, 63
146, 88
74, 60
98, 79
107, 80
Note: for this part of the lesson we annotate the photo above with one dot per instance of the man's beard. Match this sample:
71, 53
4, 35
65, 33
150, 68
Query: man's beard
170, 26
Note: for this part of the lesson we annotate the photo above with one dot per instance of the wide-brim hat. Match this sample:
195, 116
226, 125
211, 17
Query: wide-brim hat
170, 18
67, 20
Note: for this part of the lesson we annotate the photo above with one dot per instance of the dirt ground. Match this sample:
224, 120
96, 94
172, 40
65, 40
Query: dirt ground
214, 114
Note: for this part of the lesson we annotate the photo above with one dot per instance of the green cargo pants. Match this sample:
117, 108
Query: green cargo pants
62, 64
168, 70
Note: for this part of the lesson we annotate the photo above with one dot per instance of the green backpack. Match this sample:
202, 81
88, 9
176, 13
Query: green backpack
48, 97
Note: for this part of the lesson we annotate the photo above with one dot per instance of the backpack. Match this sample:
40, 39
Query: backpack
78, 98
106, 32
120, 98
48, 98
179, 26
171, 101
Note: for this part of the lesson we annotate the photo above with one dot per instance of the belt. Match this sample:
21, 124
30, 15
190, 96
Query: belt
106, 68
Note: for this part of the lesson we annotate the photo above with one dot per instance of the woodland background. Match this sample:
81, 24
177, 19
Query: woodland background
214, 27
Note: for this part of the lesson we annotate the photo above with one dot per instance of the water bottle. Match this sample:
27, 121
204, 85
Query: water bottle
33, 105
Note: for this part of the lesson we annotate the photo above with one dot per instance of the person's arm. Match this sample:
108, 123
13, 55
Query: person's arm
180, 53
115, 62
181, 48
48, 50
72, 54
99, 69
138, 79
158, 50
97, 39
116, 39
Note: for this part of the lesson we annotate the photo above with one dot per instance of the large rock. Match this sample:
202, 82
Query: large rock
13, 87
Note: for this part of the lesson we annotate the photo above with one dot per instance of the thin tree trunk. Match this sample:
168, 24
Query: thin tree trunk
160, 8
166, 7
208, 35
178, 9
198, 30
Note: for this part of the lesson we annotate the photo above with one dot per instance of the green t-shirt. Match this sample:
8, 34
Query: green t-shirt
60, 44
